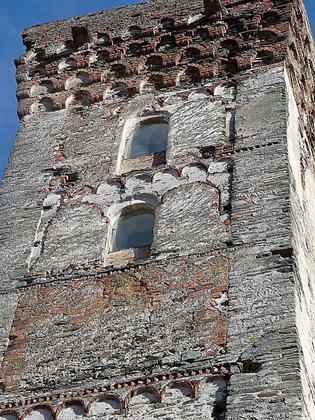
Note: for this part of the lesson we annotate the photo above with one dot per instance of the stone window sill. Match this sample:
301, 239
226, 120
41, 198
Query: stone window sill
126, 256
142, 162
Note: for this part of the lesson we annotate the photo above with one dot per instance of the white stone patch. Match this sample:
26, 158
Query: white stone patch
195, 96
226, 92
52, 200
219, 176
41, 89
106, 194
73, 412
137, 185
163, 181
105, 407
79, 224
175, 227
303, 208
194, 18
194, 173
178, 393
139, 406
66, 65
40, 414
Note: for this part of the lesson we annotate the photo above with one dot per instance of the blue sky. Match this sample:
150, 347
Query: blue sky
19, 14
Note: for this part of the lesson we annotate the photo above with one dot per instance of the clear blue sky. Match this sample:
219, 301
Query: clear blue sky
19, 14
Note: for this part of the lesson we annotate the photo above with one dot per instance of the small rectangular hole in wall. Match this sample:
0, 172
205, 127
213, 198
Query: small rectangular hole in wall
207, 152
283, 252
229, 244
71, 177
250, 366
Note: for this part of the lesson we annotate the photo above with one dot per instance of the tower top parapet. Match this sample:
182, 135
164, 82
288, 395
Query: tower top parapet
160, 42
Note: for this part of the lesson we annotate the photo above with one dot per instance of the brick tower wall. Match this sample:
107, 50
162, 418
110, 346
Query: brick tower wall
216, 320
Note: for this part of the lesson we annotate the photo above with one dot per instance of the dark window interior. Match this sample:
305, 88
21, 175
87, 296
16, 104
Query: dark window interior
134, 229
148, 138
80, 35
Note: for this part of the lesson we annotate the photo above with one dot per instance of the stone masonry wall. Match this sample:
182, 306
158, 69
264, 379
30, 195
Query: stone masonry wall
302, 201
215, 320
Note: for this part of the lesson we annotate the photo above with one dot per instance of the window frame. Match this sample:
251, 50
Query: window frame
151, 121
126, 163
135, 208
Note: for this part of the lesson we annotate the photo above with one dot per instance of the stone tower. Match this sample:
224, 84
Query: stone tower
157, 235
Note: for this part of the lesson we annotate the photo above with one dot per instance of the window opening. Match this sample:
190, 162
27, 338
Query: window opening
80, 35
149, 137
133, 229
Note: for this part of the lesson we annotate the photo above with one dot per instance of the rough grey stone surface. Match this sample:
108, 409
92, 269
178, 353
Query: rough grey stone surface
262, 330
218, 293
303, 204
181, 207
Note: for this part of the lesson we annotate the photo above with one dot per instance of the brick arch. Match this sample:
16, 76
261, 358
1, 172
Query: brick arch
81, 98
121, 69
103, 56
230, 44
118, 88
69, 404
263, 56
135, 31
45, 104
156, 80
81, 78
193, 72
150, 392
167, 40
68, 64
43, 87
203, 33
135, 47
185, 388
103, 38
50, 412
270, 17
9, 415
38, 70
268, 35
103, 398
235, 24
155, 61
167, 23
196, 51
196, 72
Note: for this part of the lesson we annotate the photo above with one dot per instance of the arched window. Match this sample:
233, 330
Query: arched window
150, 136
134, 228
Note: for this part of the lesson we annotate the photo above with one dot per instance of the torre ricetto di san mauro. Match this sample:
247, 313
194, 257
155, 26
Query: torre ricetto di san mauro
157, 216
